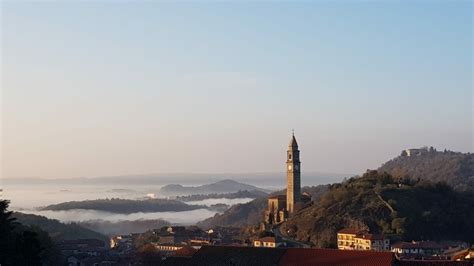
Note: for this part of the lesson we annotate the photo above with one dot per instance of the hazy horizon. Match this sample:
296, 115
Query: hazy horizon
94, 89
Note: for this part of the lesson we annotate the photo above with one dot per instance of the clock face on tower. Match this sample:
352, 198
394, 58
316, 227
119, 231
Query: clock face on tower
296, 167
289, 167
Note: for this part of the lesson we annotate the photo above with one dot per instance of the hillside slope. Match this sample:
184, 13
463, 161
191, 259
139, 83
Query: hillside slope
57, 230
251, 213
454, 168
378, 202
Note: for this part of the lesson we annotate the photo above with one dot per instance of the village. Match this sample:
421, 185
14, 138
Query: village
174, 243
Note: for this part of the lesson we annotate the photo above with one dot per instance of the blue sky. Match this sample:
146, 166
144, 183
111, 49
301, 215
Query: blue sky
101, 88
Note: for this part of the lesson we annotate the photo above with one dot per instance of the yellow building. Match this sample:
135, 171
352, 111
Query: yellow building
355, 239
375, 242
268, 242
346, 238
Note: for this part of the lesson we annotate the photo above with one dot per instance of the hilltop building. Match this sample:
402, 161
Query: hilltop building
281, 206
418, 152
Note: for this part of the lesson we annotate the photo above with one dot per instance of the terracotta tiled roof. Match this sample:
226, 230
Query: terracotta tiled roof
421, 244
224, 255
352, 231
238, 256
268, 239
371, 236
435, 263
176, 261
308, 256
185, 251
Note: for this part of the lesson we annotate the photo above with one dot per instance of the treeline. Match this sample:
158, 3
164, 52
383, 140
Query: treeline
125, 205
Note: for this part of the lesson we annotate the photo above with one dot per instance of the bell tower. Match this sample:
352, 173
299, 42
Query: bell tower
293, 175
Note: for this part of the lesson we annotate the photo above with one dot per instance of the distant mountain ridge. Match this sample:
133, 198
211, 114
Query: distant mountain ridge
223, 186
258, 179
253, 194
454, 168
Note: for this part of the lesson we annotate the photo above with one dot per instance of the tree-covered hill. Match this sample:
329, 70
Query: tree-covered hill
57, 230
377, 202
124, 205
454, 168
238, 215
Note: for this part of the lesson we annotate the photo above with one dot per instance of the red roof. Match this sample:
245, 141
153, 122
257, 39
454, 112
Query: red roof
185, 251
371, 236
308, 256
268, 239
415, 245
352, 231
434, 263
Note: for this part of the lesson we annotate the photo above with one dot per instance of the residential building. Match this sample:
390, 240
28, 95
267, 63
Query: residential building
346, 238
168, 247
269, 242
375, 242
421, 247
417, 152
121, 241
356, 239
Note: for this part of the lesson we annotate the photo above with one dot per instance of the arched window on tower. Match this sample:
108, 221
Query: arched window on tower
289, 156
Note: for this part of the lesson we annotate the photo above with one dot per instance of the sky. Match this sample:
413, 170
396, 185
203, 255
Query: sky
95, 88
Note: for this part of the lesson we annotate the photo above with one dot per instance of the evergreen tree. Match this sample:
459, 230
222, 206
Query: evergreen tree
18, 245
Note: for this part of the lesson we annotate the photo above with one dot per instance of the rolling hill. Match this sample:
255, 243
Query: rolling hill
57, 230
454, 168
412, 210
124, 205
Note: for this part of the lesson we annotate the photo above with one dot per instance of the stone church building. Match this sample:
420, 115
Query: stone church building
281, 206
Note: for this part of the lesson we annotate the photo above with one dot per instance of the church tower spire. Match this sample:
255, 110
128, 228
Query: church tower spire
293, 175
